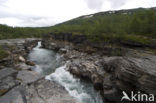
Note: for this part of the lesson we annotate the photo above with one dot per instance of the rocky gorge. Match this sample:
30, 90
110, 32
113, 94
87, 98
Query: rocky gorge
112, 69
19, 83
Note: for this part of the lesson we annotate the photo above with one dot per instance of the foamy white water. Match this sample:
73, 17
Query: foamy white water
75, 87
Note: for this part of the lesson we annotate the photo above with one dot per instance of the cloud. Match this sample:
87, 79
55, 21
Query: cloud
17, 19
37, 21
98, 4
117, 3
2, 3
27, 21
94, 4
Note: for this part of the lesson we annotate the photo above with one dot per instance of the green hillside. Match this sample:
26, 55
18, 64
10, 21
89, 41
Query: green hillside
138, 25
7, 32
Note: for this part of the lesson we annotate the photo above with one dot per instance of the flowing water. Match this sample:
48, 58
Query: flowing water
49, 63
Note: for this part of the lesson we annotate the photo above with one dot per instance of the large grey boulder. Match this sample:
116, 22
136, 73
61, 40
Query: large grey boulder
28, 77
13, 96
7, 83
23, 66
6, 72
49, 92
140, 72
41, 91
129, 74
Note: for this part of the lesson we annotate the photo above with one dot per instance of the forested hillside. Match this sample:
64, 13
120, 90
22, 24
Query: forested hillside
135, 24
7, 32
138, 25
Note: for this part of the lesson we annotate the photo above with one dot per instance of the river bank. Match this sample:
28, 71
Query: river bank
109, 72
111, 69
19, 83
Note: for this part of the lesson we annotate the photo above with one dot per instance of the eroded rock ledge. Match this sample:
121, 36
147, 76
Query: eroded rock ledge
19, 84
134, 70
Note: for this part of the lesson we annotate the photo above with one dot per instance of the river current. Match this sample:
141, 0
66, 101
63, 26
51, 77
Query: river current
50, 64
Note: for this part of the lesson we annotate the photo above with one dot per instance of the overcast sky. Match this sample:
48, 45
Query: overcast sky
50, 12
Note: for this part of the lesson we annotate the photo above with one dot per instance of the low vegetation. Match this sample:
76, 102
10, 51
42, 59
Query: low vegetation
3, 53
7, 32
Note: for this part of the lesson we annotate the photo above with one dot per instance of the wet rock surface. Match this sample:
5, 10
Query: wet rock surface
111, 74
28, 77
6, 72
41, 91
19, 84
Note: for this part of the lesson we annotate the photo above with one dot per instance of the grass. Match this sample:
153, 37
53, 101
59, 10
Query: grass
137, 39
117, 38
151, 50
3, 53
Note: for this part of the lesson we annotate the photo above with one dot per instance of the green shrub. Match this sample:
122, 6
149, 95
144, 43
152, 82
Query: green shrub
137, 39
3, 53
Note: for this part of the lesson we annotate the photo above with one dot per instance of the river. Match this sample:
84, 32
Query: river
50, 64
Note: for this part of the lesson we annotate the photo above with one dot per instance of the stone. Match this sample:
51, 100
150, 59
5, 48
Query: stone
97, 80
140, 72
63, 50
3, 91
7, 83
22, 66
6, 61
41, 91
6, 72
30, 63
13, 96
21, 59
28, 77
125, 73
49, 92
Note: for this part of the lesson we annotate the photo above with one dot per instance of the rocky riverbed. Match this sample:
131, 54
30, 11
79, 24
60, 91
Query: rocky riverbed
19, 84
111, 74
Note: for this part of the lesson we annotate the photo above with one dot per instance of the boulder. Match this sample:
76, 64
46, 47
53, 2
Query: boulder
49, 92
41, 91
139, 72
63, 50
30, 63
129, 74
28, 77
6, 61
97, 81
6, 72
13, 96
86, 69
7, 83
21, 59
22, 66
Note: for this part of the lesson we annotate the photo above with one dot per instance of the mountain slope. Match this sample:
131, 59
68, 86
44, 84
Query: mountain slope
138, 25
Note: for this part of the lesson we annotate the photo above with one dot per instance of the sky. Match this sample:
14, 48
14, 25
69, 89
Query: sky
38, 13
